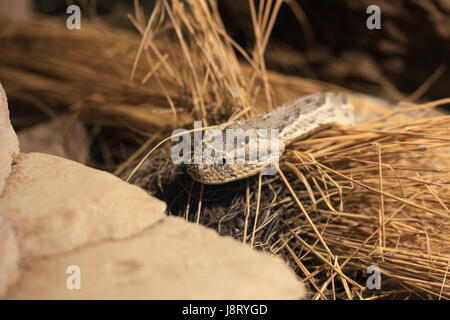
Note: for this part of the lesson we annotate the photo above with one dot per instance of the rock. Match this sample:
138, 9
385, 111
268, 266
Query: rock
56, 214
9, 256
9, 144
171, 260
64, 136
18, 9
57, 205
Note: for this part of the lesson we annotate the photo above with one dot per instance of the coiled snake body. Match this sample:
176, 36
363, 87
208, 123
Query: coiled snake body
294, 120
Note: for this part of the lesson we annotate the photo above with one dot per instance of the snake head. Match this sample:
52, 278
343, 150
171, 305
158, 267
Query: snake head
230, 167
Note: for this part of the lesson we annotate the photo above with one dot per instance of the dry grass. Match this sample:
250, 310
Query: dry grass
382, 191
344, 199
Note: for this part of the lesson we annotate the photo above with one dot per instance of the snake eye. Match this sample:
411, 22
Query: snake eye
223, 160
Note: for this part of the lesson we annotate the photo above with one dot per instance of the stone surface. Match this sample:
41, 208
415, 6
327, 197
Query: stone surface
9, 256
56, 213
57, 205
171, 260
17, 9
9, 144
64, 136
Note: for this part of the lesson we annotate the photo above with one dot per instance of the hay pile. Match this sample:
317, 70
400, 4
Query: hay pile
344, 199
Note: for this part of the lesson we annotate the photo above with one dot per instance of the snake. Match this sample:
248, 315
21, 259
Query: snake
294, 120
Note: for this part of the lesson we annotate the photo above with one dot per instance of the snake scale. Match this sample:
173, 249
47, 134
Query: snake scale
294, 120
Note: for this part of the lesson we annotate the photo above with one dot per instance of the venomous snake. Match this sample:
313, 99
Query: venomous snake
293, 120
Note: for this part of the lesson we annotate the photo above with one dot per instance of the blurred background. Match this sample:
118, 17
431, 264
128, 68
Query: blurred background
326, 39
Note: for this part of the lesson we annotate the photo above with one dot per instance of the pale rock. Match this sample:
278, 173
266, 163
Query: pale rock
171, 260
17, 9
9, 144
9, 256
57, 205
56, 213
64, 136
